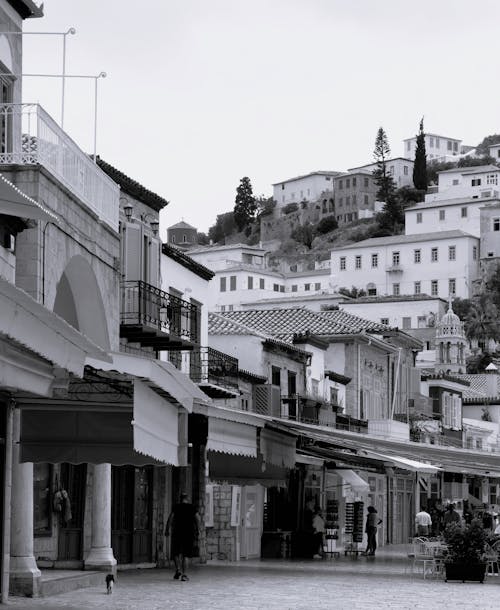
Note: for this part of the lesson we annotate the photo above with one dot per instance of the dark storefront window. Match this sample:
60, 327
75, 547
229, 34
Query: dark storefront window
42, 477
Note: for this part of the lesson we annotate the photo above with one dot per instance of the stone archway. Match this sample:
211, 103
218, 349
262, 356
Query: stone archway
79, 301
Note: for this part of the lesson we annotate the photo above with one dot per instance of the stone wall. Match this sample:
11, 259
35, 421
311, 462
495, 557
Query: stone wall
222, 537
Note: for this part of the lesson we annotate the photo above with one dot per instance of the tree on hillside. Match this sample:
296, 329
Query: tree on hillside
304, 234
484, 147
482, 322
245, 206
420, 165
493, 286
383, 178
223, 227
475, 161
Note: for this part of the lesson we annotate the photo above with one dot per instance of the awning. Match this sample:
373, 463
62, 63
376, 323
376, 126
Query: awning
355, 482
156, 425
159, 375
278, 449
30, 324
242, 470
406, 463
231, 437
14, 202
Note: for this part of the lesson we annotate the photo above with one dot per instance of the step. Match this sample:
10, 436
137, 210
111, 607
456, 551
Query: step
54, 582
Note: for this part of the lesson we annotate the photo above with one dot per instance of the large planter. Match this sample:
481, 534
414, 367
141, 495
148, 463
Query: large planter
465, 571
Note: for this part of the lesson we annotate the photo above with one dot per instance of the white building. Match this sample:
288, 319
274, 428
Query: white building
400, 168
308, 187
218, 258
437, 264
437, 147
474, 182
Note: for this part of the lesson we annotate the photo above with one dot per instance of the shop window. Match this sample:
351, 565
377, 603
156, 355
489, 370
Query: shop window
42, 497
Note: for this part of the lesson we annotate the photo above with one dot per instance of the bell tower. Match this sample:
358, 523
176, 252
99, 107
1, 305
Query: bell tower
450, 343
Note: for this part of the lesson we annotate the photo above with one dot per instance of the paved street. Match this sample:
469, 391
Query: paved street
349, 583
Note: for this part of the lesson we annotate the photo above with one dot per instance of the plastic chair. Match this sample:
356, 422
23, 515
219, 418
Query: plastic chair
491, 559
424, 553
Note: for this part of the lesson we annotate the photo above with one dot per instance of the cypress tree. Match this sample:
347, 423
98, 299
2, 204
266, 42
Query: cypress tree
420, 166
383, 178
245, 205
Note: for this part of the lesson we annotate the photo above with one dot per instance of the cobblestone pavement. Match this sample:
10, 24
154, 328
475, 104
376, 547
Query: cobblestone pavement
346, 584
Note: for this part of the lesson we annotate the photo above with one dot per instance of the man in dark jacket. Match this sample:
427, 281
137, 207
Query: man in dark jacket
184, 526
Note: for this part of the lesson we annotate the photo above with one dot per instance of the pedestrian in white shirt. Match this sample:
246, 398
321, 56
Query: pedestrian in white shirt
423, 522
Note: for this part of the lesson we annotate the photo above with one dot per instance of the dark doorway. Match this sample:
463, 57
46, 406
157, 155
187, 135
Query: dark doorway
73, 478
131, 510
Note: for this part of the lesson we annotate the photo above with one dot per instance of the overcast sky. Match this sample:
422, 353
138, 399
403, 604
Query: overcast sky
202, 92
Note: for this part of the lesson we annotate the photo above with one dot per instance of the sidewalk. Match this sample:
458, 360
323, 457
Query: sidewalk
364, 583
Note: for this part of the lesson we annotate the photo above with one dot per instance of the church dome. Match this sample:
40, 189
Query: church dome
450, 324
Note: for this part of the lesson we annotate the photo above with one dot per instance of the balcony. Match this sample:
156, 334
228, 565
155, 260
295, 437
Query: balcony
394, 268
151, 317
215, 372
308, 409
29, 136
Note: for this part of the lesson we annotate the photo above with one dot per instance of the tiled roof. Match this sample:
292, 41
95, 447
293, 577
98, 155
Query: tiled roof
318, 173
284, 323
186, 261
437, 203
477, 169
215, 248
478, 385
132, 187
404, 239
392, 299
181, 225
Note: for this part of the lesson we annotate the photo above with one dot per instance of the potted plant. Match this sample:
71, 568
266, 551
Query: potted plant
465, 552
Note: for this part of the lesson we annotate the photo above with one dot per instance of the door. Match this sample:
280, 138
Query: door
251, 521
131, 504
73, 479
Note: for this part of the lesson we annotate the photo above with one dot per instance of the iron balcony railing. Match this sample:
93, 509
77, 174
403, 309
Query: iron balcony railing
28, 135
308, 409
208, 365
146, 305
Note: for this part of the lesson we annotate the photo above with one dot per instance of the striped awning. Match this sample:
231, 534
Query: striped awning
231, 437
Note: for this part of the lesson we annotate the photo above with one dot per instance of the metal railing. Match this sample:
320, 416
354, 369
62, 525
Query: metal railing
208, 365
307, 409
28, 135
146, 305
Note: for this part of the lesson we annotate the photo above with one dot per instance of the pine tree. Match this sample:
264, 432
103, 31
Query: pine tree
245, 206
383, 178
420, 166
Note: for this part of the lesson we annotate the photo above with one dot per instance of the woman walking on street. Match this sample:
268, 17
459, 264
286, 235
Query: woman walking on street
184, 525
371, 531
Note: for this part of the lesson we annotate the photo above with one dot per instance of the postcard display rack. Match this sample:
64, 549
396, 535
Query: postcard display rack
353, 527
331, 528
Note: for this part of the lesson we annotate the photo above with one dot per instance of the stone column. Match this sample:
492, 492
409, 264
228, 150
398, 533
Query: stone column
101, 556
24, 573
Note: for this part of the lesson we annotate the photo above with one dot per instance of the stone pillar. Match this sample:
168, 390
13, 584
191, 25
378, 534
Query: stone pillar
101, 556
24, 573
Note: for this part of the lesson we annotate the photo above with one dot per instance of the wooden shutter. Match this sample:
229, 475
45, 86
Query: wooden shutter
154, 263
133, 246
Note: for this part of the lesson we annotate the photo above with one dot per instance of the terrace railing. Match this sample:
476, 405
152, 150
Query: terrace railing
208, 365
28, 135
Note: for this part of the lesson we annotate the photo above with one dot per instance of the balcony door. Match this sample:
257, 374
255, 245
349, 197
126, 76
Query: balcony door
131, 512
6, 112
252, 500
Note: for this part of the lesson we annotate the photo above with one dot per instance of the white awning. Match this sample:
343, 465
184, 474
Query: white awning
277, 448
43, 332
356, 483
160, 376
231, 437
14, 202
156, 425
406, 463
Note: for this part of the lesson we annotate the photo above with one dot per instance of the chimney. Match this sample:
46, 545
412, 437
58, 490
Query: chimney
491, 388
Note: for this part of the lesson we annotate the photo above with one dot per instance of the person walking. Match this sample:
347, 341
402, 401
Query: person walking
184, 526
423, 522
451, 516
318, 524
371, 530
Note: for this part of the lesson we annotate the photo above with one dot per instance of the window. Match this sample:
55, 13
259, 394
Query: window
384, 321
348, 201
223, 284
405, 170
442, 214
282, 289
431, 142
307, 287
262, 283
408, 145
374, 261
474, 253
395, 259
341, 202
371, 290
434, 288
184, 239
354, 201
448, 145
476, 181
276, 375
230, 307
341, 184
342, 263
438, 143
282, 187
276, 287
294, 287
357, 263
172, 239
406, 323
395, 290
366, 183
42, 485
463, 212
317, 286
452, 286
496, 224
417, 288
434, 255
391, 170
250, 282
452, 253
232, 282
419, 218
491, 179
455, 181
417, 256
366, 199
347, 183
223, 308
353, 182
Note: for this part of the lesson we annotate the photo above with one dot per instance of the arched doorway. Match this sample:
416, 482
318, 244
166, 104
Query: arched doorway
79, 301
